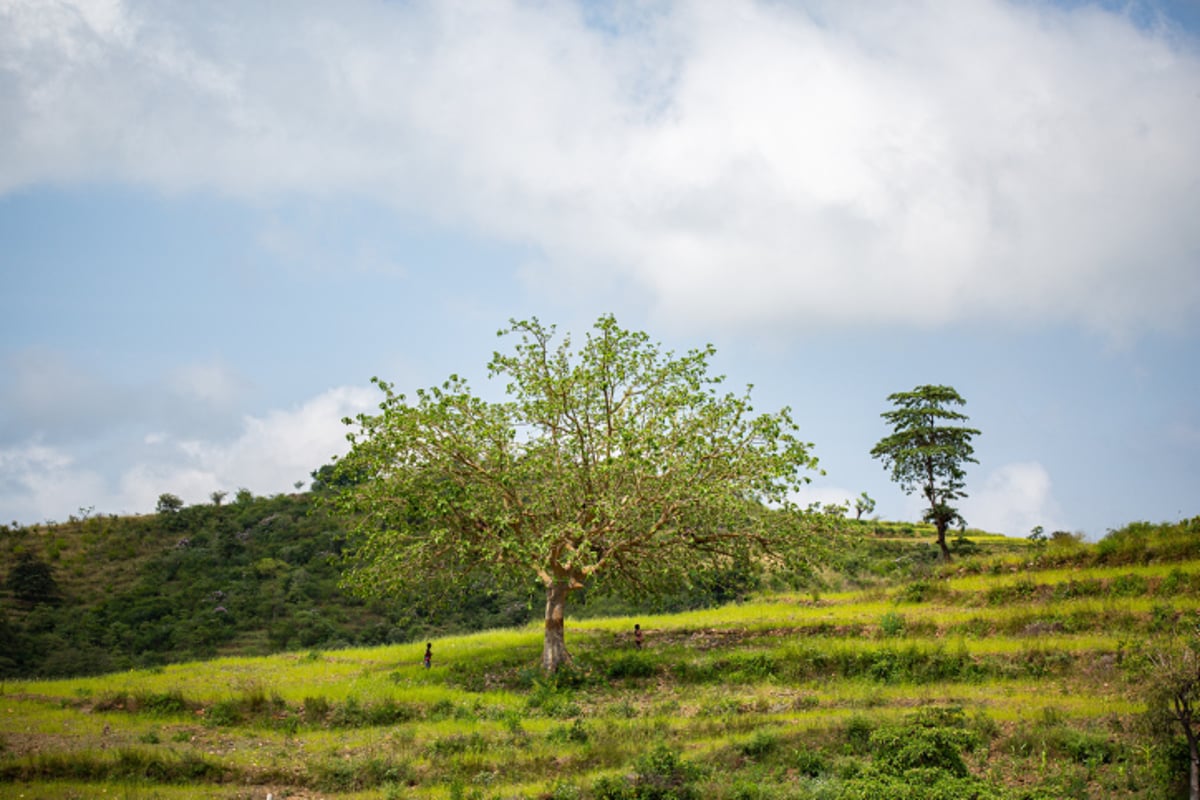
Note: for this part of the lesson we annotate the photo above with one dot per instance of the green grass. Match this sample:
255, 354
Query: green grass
775, 697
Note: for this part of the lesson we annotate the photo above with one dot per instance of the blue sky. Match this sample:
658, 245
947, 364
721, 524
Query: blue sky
216, 227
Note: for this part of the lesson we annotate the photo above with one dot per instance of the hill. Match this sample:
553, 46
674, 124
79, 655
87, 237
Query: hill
255, 576
260, 575
1016, 675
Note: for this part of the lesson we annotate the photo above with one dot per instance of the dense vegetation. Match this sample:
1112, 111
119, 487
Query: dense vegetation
255, 576
251, 577
1016, 672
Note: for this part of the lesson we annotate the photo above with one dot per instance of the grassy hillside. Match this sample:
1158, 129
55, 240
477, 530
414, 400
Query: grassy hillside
1015, 672
260, 575
254, 576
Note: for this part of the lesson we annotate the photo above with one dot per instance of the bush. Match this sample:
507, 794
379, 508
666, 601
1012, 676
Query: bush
164, 704
577, 732
858, 734
660, 774
631, 665
31, 581
760, 744
892, 624
899, 748
809, 763
918, 784
921, 591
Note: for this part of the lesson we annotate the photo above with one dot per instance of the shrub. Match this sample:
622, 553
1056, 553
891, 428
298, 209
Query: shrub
899, 748
316, 709
455, 744
1129, 586
920, 591
345, 775
631, 665
1163, 618
661, 774
577, 732
1087, 748
892, 624
918, 784
858, 734
760, 744
809, 763
163, 704
564, 791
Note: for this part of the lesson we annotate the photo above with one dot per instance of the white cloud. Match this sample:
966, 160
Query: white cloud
48, 394
282, 447
211, 384
743, 163
270, 454
40, 483
1013, 500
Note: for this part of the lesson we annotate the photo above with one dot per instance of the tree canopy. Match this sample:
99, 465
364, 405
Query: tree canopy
926, 452
616, 462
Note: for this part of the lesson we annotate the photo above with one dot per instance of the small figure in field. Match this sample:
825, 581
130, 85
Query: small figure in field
428, 654
637, 636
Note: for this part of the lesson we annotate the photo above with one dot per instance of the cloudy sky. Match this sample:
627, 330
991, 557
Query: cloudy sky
218, 220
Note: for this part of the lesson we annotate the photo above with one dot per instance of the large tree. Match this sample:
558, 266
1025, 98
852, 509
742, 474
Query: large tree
616, 463
927, 451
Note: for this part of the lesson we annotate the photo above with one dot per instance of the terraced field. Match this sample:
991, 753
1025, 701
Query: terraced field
1008, 677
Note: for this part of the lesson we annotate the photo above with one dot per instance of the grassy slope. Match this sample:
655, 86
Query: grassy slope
1043, 652
252, 577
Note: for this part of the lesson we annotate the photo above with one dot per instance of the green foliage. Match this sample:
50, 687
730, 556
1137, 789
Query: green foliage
614, 463
631, 665
31, 580
762, 743
863, 504
787, 697
900, 748
659, 774
920, 591
920, 757
128, 763
1143, 542
858, 732
892, 624
254, 576
168, 503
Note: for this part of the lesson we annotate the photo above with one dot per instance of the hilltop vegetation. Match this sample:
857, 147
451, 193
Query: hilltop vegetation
255, 576
262, 575
1016, 672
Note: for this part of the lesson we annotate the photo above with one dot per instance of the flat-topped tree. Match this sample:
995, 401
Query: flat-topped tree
926, 452
613, 463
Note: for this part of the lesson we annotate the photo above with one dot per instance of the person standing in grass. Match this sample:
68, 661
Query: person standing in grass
428, 654
637, 635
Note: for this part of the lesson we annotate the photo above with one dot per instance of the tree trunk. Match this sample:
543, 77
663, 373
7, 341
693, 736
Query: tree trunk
941, 540
1194, 772
554, 650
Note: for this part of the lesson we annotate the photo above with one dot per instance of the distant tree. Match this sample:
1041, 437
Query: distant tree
616, 462
863, 504
168, 503
31, 580
335, 477
243, 496
217, 497
838, 510
926, 452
